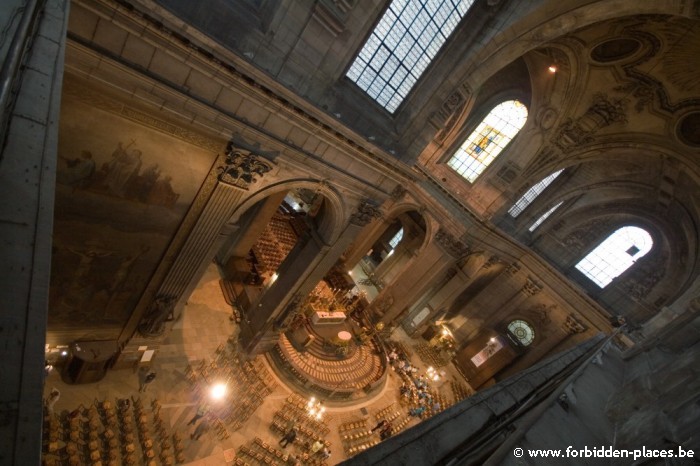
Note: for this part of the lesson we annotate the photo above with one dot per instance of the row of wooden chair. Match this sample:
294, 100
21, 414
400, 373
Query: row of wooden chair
351, 425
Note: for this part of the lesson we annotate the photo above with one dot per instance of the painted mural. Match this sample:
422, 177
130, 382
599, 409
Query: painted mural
123, 189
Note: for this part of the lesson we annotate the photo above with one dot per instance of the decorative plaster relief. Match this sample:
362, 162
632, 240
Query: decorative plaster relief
644, 276
603, 112
449, 114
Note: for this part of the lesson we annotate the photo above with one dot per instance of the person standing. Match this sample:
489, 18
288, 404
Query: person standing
380, 425
385, 432
316, 447
202, 428
289, 437
148, 379
52, 399
201, 411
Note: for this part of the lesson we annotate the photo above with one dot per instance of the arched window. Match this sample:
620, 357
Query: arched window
532, 193
615, 255
522, 331
489, 139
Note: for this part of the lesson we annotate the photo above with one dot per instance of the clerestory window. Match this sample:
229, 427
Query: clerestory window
544, 217
531, 194
402, 45
492, 135
615, 254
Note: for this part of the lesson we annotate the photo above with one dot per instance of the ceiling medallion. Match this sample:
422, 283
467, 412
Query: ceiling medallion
614, 50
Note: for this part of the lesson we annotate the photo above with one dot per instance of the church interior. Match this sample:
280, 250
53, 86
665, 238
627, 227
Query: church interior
316, 232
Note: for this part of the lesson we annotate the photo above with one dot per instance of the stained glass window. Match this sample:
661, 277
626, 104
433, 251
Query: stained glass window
522, 331
615, 255
488, 139
402, 45
544, 217
532, 193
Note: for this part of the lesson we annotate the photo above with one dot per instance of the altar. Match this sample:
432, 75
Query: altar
327, 317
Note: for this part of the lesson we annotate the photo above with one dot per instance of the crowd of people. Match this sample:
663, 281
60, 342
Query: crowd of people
415, 390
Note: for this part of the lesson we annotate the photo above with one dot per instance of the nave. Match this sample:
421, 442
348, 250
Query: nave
262, 400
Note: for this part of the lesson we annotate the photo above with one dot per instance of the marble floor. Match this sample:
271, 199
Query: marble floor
201, 328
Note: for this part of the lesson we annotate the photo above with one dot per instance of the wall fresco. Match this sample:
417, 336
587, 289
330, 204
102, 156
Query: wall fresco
122, 191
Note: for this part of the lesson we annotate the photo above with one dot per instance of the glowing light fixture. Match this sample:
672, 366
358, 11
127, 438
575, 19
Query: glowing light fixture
218, 391
315, 408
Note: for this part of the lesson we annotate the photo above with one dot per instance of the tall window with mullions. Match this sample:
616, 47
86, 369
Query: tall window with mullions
407, 38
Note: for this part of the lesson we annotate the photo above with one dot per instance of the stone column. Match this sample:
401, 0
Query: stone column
391, 266
233, 177
251, 228
299, 274
431, 264
364, 242
446, 296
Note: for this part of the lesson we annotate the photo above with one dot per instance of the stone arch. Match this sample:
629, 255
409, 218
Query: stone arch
337, 211
398, 209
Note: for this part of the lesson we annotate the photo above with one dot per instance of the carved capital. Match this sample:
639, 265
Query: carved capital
493, 260
513, 268
242, 167
572, 325
531, 287
366, 212
451, 245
